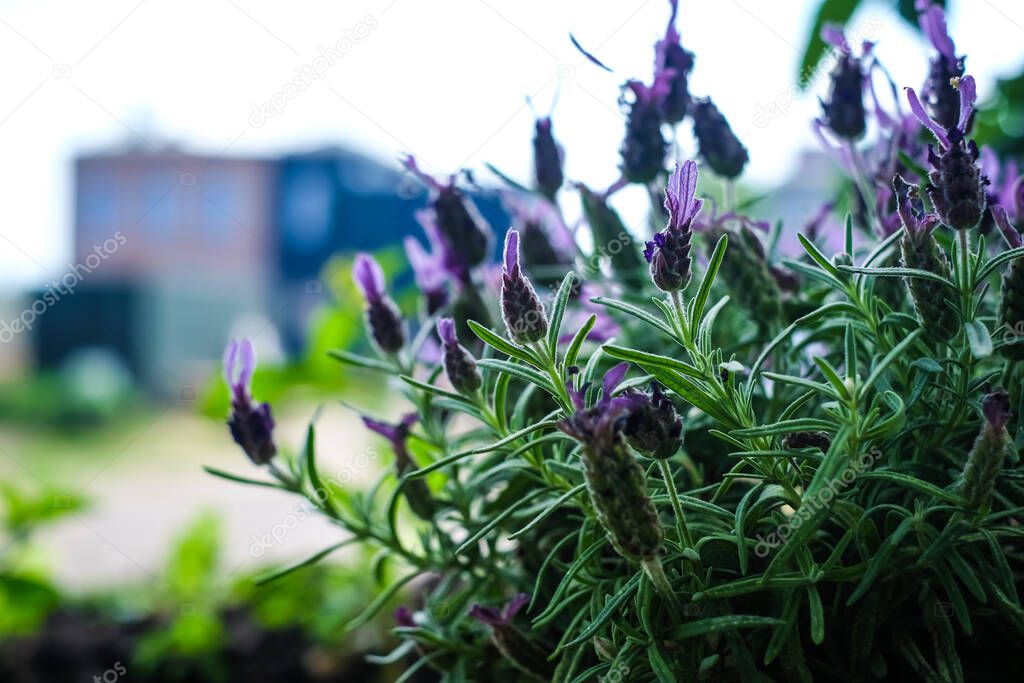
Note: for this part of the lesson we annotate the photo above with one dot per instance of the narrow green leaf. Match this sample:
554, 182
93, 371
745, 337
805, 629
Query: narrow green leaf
558, 311
700, 300
279, 573
501, 344
573, 352
636, 312
723, 623
350, 358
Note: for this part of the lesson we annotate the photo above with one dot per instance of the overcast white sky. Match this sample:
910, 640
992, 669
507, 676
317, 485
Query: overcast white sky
444, 80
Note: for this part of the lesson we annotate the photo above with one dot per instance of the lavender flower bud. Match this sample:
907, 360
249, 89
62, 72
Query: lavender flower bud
669, 252
460, 224
459, 364
932, 300
719, 146
1011, 306
654, 428
989, 451
416, 491
677, 62
520, 307
387, 329
521, 651
548, 158
844, 110
615, 481
252, 426
643, 149
956, 185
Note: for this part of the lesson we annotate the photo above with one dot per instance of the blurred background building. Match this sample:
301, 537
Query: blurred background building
190, 244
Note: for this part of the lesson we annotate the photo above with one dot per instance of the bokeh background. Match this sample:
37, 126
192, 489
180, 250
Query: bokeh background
180, 173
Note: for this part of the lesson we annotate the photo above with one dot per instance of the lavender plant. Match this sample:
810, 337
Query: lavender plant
703, 460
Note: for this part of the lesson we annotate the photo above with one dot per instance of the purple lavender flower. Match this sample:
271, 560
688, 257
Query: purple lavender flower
387, 329
522, 652
719, 146
956, 185
1002, 221
548, 158
940, 96
643, 149
669, 252
464, 230
673, 63
416, 491
520, 307
459, 364
252, 426
844, 110
615, 480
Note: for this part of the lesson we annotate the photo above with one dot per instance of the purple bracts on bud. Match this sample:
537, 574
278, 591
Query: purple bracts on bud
719, 146
671, 58
430, 275
520, 307
548, 158
844, 109
990, 448
459, 364
669, 251
643, 149
382, 317
520, 650
252, 426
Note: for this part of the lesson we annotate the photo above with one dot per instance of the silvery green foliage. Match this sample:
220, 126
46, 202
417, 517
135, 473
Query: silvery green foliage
816, 494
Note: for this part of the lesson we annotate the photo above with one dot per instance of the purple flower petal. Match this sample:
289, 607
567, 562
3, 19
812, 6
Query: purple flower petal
932, 21
369, 277
389, 432
613, 378
516, 604
230, 355
247, 358
833, 35
1010, 233
487, 615
512, 252
409, 163
446, 331
968, 96
917, 109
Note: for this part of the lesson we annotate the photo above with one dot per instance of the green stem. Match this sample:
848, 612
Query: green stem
684, 532
656, 572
